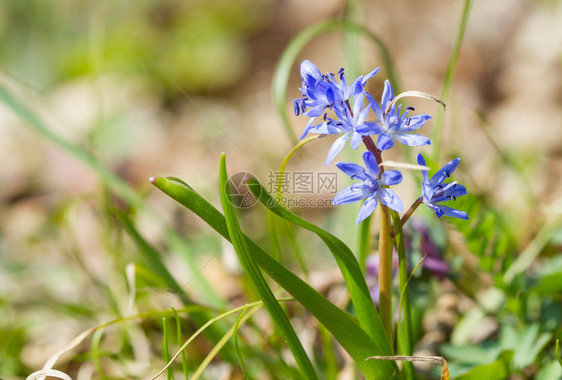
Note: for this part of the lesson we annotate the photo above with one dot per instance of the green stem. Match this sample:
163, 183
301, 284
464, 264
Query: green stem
404, 329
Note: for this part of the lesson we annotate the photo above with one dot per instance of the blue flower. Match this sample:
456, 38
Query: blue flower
371, 188
434, 191
346, 122
392, 125
323, 91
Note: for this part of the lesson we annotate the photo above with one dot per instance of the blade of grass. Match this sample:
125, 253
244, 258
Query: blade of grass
340, 324
291, 52
254, 305
279, 228
219, 346
331, 364
179, 340
366, 312
364, 242
237, 347
151, 255
254, 274
448, 81
165, 352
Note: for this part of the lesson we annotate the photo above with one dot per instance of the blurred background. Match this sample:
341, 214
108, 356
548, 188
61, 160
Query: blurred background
157, 88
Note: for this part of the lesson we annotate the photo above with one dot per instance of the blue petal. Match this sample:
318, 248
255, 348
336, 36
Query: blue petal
372, 168
367, 209
387, 94
427, 190
421, 161
358, 103
414, 122
375, 106
309, 68
391, 177
385, 141
316, 110
369, 128
445, 172
448, 211
361, 116
456, 191
351, 194
353, 170
356, 139
370, 75
411, 139
390, 199
325, 129
337, 146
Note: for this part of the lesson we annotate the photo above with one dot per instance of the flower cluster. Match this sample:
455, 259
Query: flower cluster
336, 108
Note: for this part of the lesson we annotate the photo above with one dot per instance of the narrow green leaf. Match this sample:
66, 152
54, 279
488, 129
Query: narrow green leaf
237, 347
448, 81
151, 256
258, 281
179, 343
291, 52
355, 280
165, 351
340, 324
404, 329
364, 243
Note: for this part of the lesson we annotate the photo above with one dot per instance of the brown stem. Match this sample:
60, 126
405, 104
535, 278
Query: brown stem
385, 272
410, 211
371, 147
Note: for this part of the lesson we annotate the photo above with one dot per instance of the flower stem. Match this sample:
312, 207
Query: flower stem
371, 147
385, 253
410, 211
385, 272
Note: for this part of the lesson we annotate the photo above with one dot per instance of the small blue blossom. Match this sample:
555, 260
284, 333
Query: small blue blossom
392, 125
346, 122
323, 91
371, 188
434, 191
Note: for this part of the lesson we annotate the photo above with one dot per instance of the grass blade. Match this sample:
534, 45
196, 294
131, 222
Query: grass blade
340, 324
448, 81
367, 314
255, 276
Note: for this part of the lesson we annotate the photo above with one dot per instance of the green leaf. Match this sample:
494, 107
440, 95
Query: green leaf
552, 370
355, 280
151, 256
291, 52
549, 285
251, 269
497, 370
340, 324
